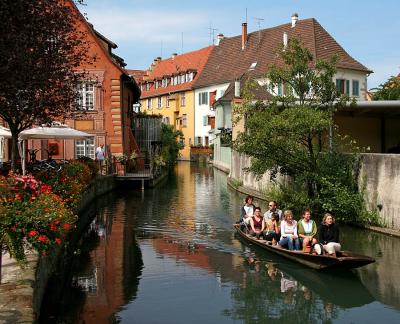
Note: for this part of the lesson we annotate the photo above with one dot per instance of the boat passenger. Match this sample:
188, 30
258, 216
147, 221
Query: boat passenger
289, 232
272, 208
307, 230
329, 235
272, 229
257, 223
247, 211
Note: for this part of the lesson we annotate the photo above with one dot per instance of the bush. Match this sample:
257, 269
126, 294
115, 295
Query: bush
31, 216
69, 183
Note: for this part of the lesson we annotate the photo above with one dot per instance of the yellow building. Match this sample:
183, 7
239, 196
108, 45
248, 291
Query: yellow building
167, 90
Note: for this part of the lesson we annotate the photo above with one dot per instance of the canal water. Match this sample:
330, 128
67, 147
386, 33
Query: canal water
169, 255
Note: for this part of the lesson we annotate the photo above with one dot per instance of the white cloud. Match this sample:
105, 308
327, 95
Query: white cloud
146, 26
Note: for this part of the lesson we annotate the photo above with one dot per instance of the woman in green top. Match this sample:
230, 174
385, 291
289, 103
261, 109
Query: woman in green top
307, 230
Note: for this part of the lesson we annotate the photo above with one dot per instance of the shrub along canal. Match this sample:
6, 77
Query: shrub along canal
169, 255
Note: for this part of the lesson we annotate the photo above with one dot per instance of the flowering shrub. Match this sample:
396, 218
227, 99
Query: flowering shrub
69, 183
31, 216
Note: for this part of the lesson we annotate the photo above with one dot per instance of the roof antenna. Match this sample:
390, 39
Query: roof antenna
182, 43
246, 15
161, 48
259, 20
211, 34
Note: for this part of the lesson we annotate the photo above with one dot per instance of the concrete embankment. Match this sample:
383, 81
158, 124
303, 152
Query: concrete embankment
22, 290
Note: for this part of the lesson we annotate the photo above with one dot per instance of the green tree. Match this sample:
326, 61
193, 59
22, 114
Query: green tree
40, 52
390, 90
171, 144
293, 133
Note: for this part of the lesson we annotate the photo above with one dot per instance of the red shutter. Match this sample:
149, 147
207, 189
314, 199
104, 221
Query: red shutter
212, 97
211, 121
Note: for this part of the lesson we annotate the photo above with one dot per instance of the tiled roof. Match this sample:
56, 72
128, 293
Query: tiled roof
192, 61
137, 74
228, 61
257, 91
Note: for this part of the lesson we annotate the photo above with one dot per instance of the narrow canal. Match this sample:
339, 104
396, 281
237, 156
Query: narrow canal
169, 255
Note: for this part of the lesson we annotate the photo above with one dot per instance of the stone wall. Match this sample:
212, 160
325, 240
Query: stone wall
379, 176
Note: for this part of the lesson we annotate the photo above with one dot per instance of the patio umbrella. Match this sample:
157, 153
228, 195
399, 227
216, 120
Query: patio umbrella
55, 131
58, 131
5, 132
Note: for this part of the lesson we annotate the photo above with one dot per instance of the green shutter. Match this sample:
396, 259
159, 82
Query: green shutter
205, 120
347, 87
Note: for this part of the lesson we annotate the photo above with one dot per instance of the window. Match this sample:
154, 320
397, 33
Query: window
206, 141
86, 95
203, 98
183, 78
184, 120
253, 66
164, 82
183, 99
355, 88
147, 86
198, 140
205, 120
84, 148
165, 120
191, 76
168, 99
159, 102
156, 84
149, 104
280, 89
343, 86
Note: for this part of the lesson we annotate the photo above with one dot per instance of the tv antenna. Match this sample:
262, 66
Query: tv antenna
211, 34
259, 20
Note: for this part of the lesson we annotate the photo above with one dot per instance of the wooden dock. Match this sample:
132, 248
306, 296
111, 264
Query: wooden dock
143, 177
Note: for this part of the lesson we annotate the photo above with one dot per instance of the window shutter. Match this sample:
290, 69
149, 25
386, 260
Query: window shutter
205, 120
348, 87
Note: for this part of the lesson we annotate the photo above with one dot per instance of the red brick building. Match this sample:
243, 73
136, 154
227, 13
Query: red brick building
107, 95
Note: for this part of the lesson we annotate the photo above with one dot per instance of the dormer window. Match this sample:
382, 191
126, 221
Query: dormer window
253, 66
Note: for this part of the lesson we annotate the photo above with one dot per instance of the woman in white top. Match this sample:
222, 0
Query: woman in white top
289, 235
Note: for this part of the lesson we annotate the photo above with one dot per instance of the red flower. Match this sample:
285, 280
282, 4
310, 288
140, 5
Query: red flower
18, 196
57, 240
33, 233
43, 238
67, 227
53, 227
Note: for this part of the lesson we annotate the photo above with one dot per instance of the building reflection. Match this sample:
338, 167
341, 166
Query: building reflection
110, 274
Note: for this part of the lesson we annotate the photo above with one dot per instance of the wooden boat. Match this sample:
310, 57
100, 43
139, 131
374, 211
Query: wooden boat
343, 259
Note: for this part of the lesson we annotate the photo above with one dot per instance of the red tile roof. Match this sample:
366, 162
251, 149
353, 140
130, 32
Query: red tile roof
192, 61
138, 75
228, 61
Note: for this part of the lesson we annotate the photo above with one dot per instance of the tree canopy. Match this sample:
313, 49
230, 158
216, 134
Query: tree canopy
294, 134
41, 50
390, 90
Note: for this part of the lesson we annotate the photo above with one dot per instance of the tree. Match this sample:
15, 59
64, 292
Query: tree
390, 90
293, 133
171, 144
41, 50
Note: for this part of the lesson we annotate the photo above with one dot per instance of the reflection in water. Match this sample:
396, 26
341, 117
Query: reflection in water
169, 254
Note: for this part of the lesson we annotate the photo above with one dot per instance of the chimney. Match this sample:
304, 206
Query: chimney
174, 55
244, 35
220, 37
158, 59
295, 18
237, 88
285, 40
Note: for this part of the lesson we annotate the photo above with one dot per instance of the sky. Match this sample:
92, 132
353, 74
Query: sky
144, 29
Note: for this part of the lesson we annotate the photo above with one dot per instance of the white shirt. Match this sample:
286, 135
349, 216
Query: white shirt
268, 214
